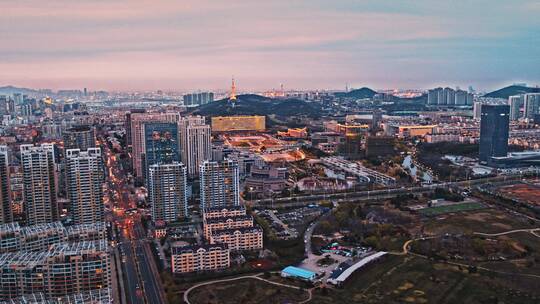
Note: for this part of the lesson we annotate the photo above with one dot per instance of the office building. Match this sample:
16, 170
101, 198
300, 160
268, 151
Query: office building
531, 105
186, 259
85, 176
219, 184
40, 202
138, 120
494, 128
161, 144
238, 123
515, 103
79, 137
6, 213
167, 191
62, 270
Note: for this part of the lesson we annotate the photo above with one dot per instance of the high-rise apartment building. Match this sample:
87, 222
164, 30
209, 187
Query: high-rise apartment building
61, 270
6, 213
162, 144
167, 191
79, 137
84, 175
494, 129
433, 96
531, 105
39, 180
515, 103
219, 184
198, 147
138, 120
128, 125
196, 99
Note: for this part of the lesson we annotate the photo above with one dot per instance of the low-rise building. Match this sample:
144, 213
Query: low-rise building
230, 211
220, 223
185, 259
245, 238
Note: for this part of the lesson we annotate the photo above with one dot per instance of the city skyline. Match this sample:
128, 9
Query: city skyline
304, 45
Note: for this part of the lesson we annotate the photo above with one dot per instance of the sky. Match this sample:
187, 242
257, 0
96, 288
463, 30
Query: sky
314, 44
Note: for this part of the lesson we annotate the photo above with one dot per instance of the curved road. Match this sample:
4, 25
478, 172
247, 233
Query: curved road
533, 231
256, 277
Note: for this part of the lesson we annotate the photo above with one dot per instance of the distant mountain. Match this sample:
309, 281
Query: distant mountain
9, 90
358, 93
511, 90
251, 104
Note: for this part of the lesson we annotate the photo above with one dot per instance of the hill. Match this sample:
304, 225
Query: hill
511, 90
358, 93
9, 90
251, 104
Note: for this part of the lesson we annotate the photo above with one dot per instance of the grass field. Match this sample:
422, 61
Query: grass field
247, 291
416, 280
438, 210
488, 220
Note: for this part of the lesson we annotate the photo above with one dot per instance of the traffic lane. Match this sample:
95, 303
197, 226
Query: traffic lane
151, 289
131, 275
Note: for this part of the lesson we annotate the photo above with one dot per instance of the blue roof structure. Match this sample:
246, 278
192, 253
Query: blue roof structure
298, 272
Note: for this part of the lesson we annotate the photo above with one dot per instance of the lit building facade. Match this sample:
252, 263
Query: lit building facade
186, 259
238, 123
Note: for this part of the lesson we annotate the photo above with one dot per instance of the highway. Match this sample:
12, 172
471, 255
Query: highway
304, 200
140, 274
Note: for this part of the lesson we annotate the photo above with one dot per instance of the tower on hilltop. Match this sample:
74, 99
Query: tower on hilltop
232, 97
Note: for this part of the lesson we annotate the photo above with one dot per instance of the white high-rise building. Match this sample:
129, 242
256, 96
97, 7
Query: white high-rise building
195, 142
84, 174
219, 184
6, 214
40, 203
167, 191
531, 105
477, 110
515, 103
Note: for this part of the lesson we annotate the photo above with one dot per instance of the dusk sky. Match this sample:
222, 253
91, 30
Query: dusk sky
190, 45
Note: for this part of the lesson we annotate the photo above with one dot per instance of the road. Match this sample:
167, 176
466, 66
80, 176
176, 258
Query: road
303, 200
532, 231
141, 276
